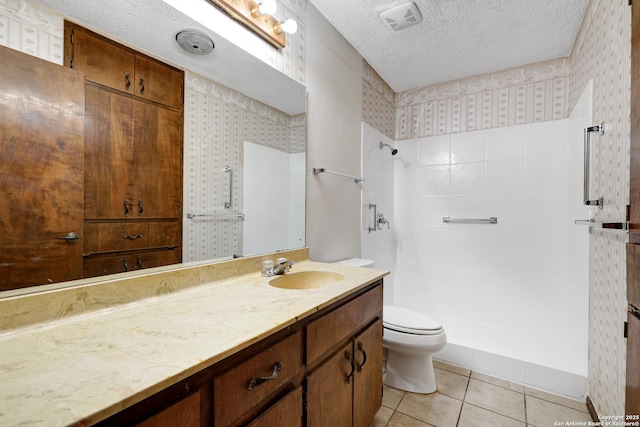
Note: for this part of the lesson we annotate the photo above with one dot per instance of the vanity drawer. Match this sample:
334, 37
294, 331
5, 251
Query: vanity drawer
231, 392
324, 333
100, 237
99, 265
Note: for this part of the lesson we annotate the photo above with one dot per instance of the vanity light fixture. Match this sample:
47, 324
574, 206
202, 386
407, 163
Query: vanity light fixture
290, 26
269, 7
254, 14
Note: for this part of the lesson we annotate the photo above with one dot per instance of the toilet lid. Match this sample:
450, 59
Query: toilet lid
404, 320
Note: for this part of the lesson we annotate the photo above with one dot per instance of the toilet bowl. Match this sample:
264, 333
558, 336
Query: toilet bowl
411, 339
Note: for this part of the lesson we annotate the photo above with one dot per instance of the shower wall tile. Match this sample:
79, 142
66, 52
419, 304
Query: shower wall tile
532, 93
607, 28
485, 281
29, 27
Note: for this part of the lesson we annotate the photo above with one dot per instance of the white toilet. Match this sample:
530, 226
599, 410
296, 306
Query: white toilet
411, 339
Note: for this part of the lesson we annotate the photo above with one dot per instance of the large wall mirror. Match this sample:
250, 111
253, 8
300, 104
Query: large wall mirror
244, 123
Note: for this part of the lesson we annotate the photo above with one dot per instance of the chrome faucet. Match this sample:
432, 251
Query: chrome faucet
282, 266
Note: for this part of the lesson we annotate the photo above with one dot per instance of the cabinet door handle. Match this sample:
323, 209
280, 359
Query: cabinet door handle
141, 86
259, 380
126, 264
134, 237
70, 237
128, 84
126, 207
364, 355
140, 266
140, 206
349, 357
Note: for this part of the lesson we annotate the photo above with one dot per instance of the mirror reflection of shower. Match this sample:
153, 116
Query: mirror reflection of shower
393, 150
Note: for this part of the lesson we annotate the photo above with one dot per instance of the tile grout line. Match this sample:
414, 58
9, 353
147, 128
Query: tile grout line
464, 398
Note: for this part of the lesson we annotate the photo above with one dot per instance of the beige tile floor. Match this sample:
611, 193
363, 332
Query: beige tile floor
467, 398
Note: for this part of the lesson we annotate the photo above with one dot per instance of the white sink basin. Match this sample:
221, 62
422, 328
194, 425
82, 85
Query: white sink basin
306, 280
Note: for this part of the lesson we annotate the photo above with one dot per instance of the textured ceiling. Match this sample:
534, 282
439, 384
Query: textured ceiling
456, 38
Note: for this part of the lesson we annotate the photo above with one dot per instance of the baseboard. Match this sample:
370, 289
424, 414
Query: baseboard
530, 374
592, 410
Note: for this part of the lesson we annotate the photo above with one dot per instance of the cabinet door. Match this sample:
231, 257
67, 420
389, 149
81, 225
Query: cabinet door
158, 161
367, 393
184, 413
41, 169
158, 82
330, 390
287, 412
108, 155
102, 61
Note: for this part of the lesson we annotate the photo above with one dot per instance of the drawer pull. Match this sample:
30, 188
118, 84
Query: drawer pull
349, 357
130, 237
364, 355
259, 380
128, 84
140, 206
126, 207
141, 86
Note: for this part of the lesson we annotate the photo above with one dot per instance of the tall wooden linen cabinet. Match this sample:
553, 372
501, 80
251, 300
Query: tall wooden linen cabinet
132, 153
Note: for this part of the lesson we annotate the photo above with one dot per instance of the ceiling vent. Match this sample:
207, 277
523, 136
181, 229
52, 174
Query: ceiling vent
401, 16
194, 42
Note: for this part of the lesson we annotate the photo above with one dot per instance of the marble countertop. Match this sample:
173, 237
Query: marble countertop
85, 368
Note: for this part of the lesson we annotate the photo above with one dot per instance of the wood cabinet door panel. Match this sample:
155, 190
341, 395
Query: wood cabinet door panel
110, 264
287, 412
367, 393
108, 155
158, 82
327, 331
158, 162
329, 396
184, 413
231, 392
41, 169
104, 237
102, 61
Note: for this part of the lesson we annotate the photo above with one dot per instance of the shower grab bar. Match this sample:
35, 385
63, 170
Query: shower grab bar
316, 171
229, 170
587, 160
604, 225
490, 220
216, 216
375, 216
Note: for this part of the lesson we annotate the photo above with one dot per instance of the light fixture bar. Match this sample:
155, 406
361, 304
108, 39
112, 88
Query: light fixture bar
262, 25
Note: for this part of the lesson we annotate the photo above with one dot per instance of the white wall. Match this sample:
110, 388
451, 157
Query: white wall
334, 86
378, 170
503, 289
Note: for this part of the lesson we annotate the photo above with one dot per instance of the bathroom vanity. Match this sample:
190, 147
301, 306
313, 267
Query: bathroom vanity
213, 344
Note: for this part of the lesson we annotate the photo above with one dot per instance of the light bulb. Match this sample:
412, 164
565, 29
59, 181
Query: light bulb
268, 7
290, 26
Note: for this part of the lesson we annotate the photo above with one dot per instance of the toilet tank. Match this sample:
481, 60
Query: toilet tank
357, 262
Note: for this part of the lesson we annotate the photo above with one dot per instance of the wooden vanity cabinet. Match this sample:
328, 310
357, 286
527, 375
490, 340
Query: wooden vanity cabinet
315, 356
133, 152
115, 66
